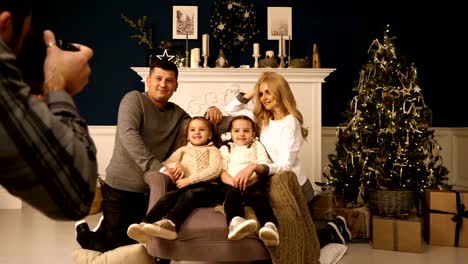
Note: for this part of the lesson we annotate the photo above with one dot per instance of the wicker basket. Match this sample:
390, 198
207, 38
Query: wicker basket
390, 203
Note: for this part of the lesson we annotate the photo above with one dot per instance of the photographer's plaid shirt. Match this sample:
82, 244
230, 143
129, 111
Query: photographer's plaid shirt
47, 157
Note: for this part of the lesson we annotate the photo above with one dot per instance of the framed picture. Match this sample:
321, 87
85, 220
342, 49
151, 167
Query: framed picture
184, 21
279, 22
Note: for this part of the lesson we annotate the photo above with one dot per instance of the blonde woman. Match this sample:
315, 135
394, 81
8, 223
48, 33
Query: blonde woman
282, 132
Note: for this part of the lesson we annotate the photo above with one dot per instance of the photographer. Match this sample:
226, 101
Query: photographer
46, 154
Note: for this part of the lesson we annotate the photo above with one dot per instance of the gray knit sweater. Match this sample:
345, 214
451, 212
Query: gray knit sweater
145, 136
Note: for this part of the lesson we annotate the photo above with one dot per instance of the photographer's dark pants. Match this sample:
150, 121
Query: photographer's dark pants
255, 196
120, 209
177, 205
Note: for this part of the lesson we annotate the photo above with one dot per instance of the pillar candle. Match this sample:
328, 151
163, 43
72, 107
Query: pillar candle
282, 47
194, 57
206, 45
256, 49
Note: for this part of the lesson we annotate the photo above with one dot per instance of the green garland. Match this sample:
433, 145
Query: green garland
233, 24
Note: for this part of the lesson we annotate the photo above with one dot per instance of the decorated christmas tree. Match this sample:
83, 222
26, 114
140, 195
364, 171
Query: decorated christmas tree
386, 142
234, 24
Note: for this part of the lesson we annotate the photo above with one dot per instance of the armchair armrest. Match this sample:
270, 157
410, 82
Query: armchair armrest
158, 184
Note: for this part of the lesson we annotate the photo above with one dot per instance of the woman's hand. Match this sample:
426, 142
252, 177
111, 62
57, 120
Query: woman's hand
242, 177
253, 179
250, 94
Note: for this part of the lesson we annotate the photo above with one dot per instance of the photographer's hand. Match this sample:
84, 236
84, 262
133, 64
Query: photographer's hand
65, 70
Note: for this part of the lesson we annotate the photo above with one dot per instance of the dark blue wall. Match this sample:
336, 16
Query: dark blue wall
343, 30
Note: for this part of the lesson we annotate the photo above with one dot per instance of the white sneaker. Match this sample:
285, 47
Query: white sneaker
163, 228
269, 234
135, 232
240, 227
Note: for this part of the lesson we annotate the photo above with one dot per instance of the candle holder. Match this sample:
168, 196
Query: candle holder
205, 60
282, 65
256, 60
186, 50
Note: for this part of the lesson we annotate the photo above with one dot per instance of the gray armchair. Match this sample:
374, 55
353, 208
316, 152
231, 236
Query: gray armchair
203, 235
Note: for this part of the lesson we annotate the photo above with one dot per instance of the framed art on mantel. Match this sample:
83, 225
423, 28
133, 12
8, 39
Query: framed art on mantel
279, 22
184, 21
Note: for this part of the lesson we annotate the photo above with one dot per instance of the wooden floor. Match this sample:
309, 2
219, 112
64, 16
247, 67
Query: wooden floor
29, 237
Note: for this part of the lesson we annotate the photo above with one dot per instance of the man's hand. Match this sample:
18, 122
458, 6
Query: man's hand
214, 115
65, 70
181, 183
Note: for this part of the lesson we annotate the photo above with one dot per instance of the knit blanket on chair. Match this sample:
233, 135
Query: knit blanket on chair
299, 243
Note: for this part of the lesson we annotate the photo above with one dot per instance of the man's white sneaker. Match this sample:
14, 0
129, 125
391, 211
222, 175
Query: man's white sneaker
240, 227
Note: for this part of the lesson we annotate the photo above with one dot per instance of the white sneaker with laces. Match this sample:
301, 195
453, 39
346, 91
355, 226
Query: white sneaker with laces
163, 228
135, 232
240, 227
269, 234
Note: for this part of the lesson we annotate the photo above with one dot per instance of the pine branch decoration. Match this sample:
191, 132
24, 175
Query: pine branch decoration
144, 35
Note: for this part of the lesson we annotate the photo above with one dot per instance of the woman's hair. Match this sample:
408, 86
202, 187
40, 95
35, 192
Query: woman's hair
279, 88
241, 117
208, 124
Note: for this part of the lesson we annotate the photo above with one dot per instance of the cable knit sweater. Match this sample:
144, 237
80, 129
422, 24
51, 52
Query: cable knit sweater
200, 163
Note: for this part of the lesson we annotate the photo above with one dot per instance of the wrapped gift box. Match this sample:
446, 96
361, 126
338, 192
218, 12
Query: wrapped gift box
358, 220
441, 216
397, 234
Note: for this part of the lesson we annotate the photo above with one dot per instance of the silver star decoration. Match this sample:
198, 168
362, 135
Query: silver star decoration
240, 38
165, 56
246, 14
221, 26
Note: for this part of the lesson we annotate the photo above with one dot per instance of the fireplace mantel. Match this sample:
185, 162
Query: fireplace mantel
201, 88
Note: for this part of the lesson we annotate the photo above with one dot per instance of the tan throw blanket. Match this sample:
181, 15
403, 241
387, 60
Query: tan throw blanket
299, 243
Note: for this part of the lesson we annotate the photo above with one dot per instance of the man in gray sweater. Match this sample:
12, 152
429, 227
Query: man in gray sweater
149, 129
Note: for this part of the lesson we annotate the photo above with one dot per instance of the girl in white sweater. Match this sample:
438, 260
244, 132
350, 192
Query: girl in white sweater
243, 150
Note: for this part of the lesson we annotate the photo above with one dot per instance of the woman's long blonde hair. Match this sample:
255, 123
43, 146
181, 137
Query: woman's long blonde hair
279, 88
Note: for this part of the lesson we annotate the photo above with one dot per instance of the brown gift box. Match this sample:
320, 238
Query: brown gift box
397, 234
358, 221
322, 206
439, 228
